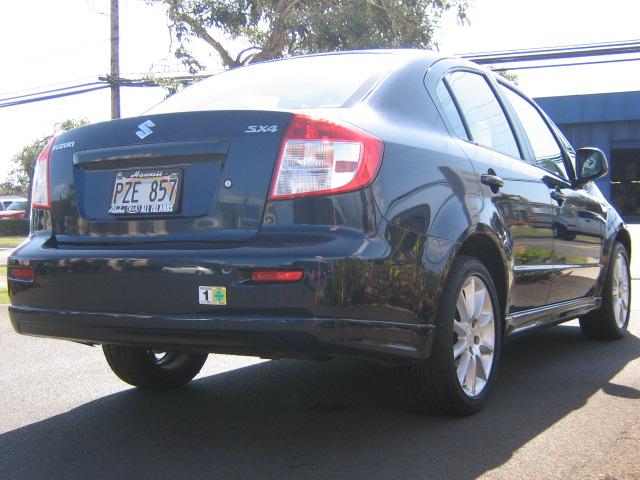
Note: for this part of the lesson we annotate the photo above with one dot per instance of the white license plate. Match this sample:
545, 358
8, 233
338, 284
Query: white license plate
146, 192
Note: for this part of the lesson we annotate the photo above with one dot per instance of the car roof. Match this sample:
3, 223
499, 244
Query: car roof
409, 53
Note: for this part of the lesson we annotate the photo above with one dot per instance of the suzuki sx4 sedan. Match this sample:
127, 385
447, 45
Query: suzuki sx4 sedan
399, 206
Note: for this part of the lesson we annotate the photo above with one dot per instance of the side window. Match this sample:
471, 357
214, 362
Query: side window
571, 153
487, 122
450, 110
545, 147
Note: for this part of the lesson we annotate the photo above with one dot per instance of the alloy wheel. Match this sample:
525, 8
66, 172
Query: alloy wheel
473, 336
620, 290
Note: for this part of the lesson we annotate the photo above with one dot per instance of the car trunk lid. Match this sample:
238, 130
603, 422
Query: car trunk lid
222, 162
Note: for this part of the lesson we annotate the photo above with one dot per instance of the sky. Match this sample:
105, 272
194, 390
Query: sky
67, 42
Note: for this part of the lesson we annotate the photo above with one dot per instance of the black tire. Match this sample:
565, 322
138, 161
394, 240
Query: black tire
434, 381
602, 324
141, 367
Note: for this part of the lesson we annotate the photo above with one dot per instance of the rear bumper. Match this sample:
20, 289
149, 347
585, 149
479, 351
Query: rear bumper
361, 295
250, 335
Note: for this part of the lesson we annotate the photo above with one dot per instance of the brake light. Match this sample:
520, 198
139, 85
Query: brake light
40, 195
24, 274
269, 276
320, 157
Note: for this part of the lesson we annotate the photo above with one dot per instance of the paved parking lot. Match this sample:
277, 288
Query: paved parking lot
563, 407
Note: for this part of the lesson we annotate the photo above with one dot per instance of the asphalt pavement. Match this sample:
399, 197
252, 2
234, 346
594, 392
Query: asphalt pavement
563, 407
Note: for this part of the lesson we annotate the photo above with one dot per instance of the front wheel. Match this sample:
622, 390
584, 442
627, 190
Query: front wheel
458, 375
610, 321
148, 368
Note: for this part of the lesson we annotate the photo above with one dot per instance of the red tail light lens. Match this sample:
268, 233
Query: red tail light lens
320, 157
272, 276
40, 197
24, 274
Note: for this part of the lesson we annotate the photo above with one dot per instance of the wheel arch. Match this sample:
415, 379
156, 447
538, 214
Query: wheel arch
487, 250
624, 238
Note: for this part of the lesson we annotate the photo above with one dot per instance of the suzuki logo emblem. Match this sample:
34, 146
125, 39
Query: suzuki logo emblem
145, 129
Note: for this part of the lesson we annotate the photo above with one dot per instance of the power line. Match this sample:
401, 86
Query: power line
55, 84
508, 56
51, 97
551, 53
551, 49
104, 82
573, 64
50, 91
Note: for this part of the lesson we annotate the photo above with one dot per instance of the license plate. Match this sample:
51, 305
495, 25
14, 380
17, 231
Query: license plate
146, 192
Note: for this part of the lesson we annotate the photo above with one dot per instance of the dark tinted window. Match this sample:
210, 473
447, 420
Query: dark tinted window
545, 147
306, 82
487, 122
450, 110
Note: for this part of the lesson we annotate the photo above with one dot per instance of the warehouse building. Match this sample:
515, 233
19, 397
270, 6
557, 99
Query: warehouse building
611, 122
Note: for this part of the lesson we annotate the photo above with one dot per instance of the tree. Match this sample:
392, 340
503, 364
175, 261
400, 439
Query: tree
512, 77
18, 181
277, 28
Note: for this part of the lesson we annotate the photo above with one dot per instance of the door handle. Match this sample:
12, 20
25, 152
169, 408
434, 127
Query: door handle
558, 197
493, 181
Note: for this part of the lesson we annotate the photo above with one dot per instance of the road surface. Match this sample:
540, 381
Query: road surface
563, 408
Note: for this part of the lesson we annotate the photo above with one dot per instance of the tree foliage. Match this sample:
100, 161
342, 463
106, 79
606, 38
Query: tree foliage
277, 28
512, 77
18, 181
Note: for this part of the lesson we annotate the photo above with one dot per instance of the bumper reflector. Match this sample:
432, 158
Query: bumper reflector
24, 274
273, 276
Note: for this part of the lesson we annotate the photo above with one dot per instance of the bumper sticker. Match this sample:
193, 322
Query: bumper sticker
212, 295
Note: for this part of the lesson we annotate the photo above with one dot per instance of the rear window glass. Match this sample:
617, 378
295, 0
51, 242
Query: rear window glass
18, 206
306, 82
487, 122
450, 110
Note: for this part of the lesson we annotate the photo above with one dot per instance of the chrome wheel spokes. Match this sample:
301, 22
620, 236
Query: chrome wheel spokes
620, 293
473, 336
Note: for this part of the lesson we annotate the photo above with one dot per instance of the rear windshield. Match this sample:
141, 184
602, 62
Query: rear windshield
305, 82
20, 205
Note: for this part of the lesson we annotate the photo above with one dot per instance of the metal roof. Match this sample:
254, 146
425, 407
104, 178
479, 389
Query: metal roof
592, 108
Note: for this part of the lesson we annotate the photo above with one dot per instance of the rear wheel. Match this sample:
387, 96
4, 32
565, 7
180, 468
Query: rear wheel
610, 321
458, 375
148, 368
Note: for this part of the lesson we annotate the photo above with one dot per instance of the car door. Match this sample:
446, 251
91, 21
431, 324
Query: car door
579, 218
513, 188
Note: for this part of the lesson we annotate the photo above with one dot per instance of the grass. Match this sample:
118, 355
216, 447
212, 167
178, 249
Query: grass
11, 241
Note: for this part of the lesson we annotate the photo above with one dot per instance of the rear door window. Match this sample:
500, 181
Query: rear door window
488, 124
450, 110
546, 150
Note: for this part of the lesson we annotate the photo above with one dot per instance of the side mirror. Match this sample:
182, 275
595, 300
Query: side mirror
591, 163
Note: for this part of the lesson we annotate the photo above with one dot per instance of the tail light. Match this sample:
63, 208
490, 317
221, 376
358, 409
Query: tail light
23, 274
319, 157
271, 276
40, 195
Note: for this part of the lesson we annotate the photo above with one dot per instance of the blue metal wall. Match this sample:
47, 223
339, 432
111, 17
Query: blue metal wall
605, 120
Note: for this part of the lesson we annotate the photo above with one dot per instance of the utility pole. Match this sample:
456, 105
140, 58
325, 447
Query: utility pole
114, 77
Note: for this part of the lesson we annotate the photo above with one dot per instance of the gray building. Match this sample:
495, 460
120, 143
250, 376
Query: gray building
611, 122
